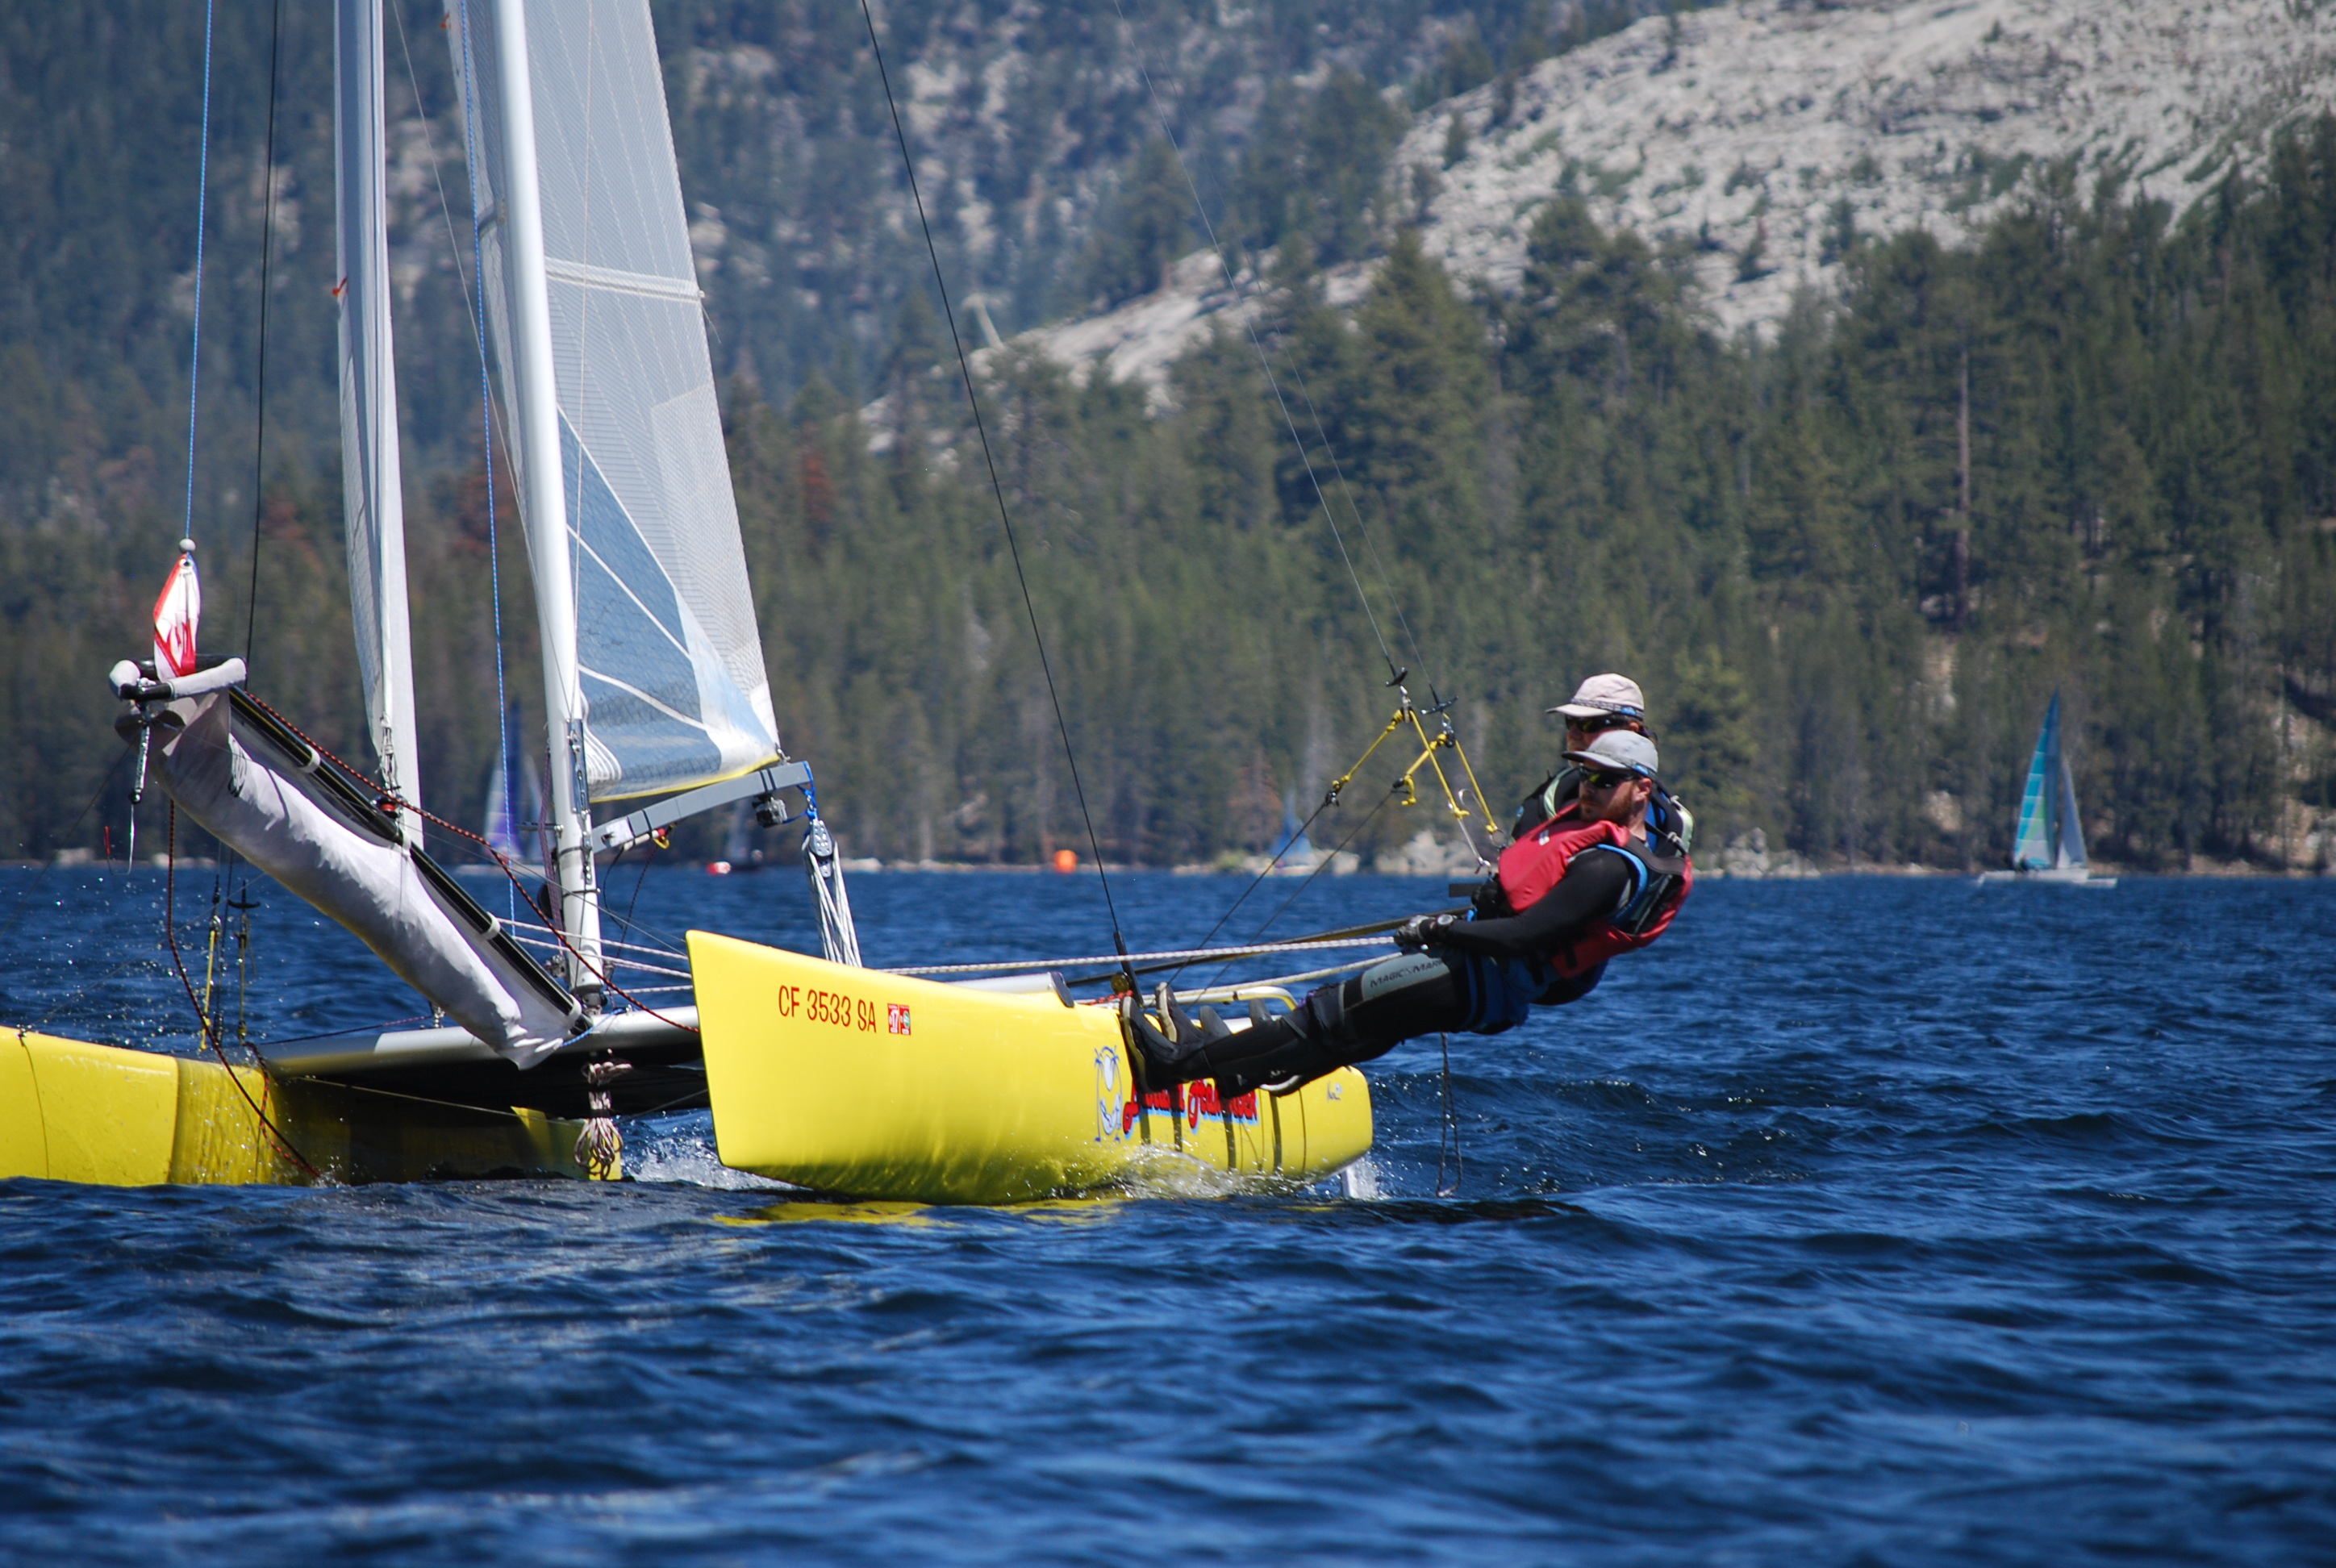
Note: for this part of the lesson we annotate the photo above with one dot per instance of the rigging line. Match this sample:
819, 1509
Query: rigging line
266, 255
1265, 363
487, 435
383, 1028
1302, 945
209, 1033
1317, 872
998, 489
437, 176
574, 520
1338, 473
459, 832
225, 866
203, 198
628, 946
669, 1105
1258, 880
639, 882
1212, 988
202, 204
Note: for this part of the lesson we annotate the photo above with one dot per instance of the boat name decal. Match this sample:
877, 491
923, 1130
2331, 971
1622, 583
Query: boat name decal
1199, 1099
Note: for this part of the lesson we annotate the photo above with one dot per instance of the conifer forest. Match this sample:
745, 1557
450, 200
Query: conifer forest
1850, 560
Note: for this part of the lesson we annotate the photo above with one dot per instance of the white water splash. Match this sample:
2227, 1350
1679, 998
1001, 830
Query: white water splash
682, 1153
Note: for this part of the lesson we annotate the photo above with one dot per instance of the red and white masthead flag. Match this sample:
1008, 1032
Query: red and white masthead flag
178, 615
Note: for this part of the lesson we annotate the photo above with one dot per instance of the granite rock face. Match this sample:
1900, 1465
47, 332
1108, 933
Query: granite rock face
1759, 134
1752, 140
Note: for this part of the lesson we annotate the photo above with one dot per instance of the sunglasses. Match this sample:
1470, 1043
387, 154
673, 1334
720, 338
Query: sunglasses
1598, 778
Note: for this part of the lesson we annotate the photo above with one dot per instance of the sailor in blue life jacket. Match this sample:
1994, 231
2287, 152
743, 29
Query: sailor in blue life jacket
1591, 881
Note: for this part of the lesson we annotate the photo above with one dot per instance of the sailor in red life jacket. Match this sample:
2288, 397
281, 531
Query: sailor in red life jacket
1577, 889
1601, 702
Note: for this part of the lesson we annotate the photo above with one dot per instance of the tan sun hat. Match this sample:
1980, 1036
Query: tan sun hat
1604, 695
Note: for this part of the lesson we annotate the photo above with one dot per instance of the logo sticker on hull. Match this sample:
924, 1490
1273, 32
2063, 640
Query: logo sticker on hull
1108, 1124
895, 1018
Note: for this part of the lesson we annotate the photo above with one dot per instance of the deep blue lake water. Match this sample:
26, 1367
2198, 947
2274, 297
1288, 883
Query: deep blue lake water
1862, 1221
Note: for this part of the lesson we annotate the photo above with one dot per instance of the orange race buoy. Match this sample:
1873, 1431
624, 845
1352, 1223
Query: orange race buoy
1066, 860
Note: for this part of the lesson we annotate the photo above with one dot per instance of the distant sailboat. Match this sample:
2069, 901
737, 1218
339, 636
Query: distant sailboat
512, 817
2048, 845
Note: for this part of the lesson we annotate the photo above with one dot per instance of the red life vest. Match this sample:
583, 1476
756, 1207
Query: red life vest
1538, 862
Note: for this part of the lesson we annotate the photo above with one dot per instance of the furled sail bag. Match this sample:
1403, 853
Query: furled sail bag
264, 792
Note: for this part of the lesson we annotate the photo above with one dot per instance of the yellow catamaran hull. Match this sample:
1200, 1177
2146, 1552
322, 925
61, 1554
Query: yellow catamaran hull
845, 1080
71, 1110
878, 1085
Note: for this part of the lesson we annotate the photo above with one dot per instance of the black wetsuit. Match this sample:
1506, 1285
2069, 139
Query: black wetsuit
1482, 977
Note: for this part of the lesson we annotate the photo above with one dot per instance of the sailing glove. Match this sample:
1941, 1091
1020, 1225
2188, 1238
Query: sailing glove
1424, 932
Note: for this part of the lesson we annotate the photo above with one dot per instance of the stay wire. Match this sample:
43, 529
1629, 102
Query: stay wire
202, 207
486, 437
266, 255
202, 1018
225, 866
1327, 802
1353, 833
438, 179
997, 487
1447, 1137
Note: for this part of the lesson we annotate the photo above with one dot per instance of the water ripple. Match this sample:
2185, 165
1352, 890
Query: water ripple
1860, 1221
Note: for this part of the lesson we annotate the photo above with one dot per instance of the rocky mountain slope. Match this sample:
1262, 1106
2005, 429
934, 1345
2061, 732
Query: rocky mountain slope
1753, 141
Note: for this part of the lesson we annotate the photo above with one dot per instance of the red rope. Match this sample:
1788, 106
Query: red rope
390, 800
210, 1032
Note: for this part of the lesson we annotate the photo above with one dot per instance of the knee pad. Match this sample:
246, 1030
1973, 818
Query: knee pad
1398, 997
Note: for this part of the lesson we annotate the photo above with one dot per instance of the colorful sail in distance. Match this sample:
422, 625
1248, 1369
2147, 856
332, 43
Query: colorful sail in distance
514, 805
2049, 837
669, 658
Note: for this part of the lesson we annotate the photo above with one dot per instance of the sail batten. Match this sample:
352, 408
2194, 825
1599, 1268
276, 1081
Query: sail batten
670, 682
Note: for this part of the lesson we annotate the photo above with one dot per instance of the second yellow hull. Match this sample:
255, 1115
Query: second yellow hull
71, 1110
879, 1086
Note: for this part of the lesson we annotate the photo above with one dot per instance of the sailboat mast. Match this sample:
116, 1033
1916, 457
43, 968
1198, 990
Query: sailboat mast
374, 495
536, 423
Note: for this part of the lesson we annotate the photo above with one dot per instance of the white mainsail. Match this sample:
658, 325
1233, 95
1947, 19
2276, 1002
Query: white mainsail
375, 503
668, 657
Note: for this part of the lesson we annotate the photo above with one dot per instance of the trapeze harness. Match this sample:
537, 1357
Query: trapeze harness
1534, 866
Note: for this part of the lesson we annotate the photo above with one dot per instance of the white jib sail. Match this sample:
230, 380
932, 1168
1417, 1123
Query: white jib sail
374, 500
668, 659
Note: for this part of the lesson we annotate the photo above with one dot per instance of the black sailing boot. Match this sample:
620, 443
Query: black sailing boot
1300, 1045
1338, 1025
1177, 1054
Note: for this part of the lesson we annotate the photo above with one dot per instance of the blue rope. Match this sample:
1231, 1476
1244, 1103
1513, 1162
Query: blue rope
487, 432
202, 202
